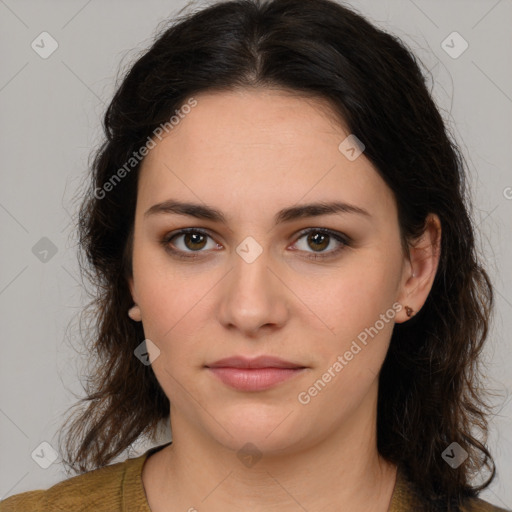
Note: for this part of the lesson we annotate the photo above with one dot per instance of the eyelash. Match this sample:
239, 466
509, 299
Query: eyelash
343, 239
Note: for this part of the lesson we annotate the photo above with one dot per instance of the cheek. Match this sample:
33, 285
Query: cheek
346, 302
351, 354
171, 309
168, 292
357, 307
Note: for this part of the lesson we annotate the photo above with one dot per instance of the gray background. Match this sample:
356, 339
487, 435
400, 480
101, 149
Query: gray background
50, 120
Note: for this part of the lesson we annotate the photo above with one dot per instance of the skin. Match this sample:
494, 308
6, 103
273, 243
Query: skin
250, 153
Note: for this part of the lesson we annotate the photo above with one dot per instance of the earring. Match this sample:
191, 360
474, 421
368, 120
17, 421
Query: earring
409, 311
134, 313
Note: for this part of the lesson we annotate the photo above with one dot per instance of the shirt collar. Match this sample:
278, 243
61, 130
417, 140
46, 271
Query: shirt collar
404, 495
133, 493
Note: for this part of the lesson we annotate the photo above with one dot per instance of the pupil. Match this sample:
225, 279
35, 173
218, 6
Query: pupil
315, 238
194, 237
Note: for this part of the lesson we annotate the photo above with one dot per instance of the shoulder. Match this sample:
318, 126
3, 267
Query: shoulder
100, 490
479, 505
407, 497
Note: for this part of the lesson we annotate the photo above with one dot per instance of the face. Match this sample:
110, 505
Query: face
315, 288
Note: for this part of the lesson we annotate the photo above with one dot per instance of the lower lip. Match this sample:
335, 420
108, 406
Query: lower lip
254, 379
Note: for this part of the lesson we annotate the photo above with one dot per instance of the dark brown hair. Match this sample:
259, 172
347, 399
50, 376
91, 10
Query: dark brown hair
429, 394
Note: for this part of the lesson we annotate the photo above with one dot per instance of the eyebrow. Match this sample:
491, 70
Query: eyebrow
203, 211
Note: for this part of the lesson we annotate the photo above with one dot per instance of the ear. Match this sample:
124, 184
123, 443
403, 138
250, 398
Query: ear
421, 268
134, 312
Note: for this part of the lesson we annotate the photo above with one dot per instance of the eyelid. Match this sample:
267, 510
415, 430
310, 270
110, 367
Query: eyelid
165, 241
341, 238
331, 232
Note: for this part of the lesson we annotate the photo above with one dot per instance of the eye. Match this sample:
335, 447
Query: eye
190, 242
320, 239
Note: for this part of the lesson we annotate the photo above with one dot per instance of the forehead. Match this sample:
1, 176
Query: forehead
259, 148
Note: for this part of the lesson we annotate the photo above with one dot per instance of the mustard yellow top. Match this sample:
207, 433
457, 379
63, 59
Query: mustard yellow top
118, 488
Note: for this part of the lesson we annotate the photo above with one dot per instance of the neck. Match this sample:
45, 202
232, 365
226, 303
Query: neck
342, 471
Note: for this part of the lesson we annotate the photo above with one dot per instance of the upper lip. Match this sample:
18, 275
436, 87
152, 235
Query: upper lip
257, 362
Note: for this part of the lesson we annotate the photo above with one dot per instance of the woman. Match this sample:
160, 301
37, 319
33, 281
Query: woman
278, 230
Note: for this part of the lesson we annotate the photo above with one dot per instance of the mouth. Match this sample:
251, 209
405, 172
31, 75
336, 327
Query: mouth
257, 374
254, 363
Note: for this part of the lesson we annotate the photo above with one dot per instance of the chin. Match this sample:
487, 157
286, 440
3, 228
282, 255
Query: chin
271, 429
248, 441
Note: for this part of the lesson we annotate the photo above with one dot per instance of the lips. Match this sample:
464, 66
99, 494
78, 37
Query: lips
257, 362
257, 374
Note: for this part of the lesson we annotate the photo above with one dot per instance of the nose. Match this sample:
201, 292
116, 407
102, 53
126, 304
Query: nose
254, 298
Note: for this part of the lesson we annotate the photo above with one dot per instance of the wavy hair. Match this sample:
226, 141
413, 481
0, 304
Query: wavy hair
429, 386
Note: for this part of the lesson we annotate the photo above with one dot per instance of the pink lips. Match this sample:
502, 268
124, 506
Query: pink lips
255, 374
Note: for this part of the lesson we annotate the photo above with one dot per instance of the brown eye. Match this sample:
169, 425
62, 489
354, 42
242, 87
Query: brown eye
317, 240
194, 241
190, 242
186, 242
